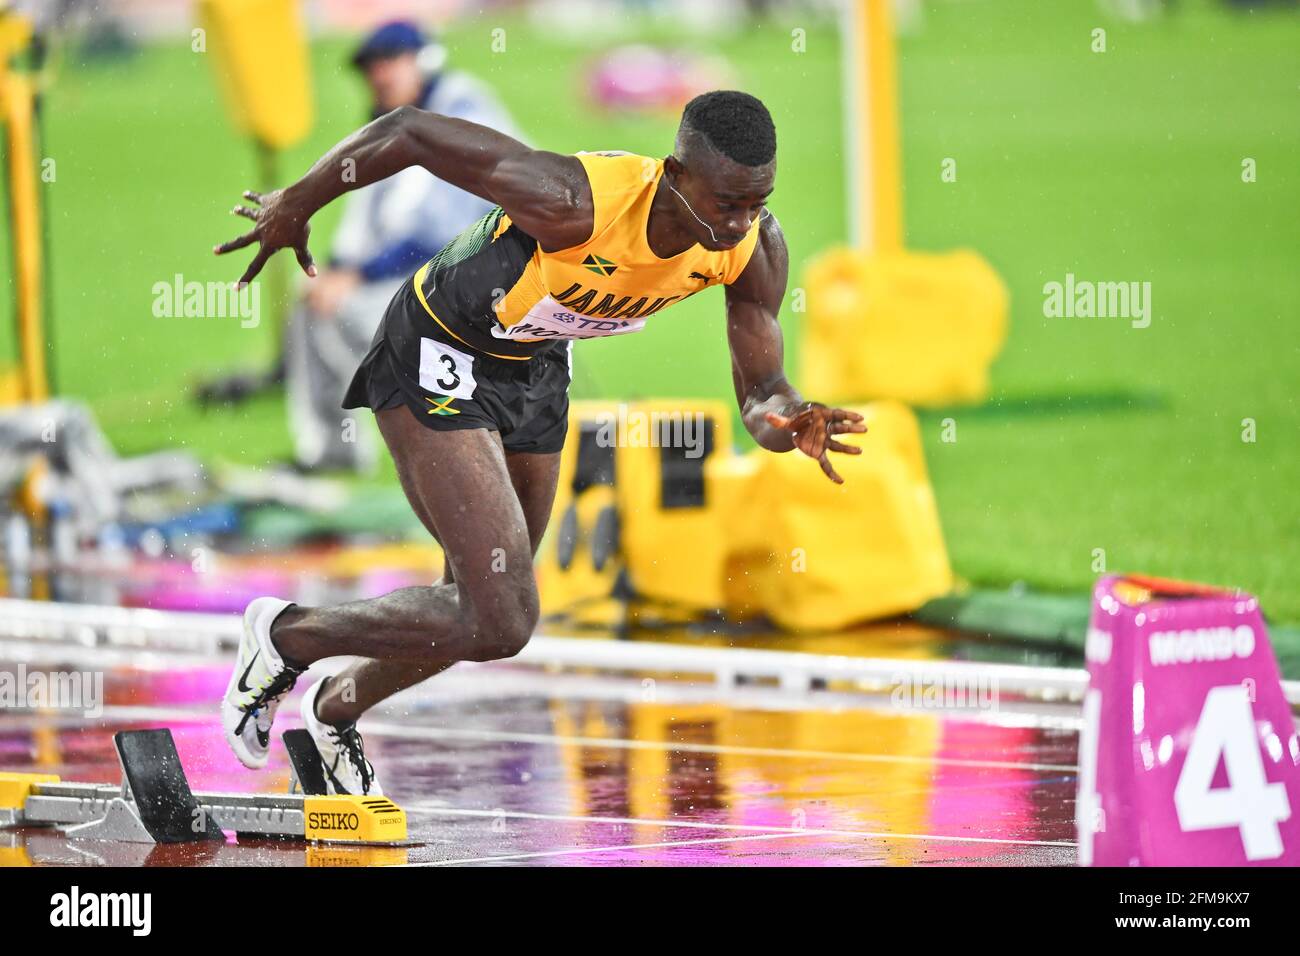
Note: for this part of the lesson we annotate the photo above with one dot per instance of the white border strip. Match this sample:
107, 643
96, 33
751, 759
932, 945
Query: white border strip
470, 683
98, 625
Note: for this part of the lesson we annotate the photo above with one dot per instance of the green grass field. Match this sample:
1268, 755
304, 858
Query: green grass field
1116, 166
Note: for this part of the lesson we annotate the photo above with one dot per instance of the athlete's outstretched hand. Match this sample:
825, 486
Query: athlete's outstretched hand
811, 426
279, 226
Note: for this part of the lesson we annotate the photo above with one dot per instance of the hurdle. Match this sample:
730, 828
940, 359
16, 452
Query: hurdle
154, 803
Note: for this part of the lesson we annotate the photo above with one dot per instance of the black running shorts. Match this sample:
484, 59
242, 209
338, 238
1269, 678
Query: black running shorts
413, 361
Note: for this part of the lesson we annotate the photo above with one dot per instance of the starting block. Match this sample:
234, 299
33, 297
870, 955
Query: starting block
1188, 755
154, 803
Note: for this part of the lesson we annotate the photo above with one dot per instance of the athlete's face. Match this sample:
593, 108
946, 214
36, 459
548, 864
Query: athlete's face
726, 196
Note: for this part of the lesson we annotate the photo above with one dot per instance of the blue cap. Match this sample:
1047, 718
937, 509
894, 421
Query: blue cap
391, 39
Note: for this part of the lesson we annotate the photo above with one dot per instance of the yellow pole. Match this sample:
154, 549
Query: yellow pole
262, 61
871, 126
26, 235
17, 95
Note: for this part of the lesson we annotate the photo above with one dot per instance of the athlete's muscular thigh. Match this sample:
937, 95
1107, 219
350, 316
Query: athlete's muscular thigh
460, 487
534, 477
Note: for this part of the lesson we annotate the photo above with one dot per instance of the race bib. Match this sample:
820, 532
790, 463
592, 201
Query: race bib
446, 370
548, 319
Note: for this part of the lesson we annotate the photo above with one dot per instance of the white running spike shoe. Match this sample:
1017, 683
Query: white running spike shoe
261, 679
341, 751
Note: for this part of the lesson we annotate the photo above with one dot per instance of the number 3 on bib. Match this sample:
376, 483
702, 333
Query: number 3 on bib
445, 370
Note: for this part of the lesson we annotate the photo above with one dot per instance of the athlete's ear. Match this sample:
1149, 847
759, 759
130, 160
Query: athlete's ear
674, 166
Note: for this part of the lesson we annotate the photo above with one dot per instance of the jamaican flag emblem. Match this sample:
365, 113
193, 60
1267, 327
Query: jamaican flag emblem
442, 406
599, 265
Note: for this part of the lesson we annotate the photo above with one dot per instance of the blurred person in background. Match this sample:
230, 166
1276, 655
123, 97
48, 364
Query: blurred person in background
388, 229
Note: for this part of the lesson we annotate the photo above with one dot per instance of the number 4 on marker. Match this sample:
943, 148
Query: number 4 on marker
1226, 728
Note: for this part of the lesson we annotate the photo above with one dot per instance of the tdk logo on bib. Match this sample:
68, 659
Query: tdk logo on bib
584, 313
549, 319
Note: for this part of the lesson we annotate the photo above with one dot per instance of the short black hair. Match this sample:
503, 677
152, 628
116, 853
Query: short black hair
735, 124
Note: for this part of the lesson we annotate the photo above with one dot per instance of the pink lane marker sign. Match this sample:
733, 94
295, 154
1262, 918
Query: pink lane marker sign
1189, 754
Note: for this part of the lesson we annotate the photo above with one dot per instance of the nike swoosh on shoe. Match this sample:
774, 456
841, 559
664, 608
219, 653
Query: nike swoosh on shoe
244, 688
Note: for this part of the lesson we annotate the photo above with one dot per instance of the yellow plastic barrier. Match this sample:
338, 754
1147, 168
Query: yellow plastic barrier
575, 575
260, 48
918, 327
635, 499
838, 554
672, 519
737, 480
759, 534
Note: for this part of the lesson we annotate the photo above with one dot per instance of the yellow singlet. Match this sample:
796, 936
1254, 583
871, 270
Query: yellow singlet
496, 290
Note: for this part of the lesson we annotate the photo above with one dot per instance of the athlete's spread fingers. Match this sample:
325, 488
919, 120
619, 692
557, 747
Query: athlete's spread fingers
305, 260
254, 267
255, 197
845, 415
833, 445
246, 239
844, 428
245, 212
831, 473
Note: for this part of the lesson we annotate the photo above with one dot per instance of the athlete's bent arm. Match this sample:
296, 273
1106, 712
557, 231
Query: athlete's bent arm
545, 193
772, 409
